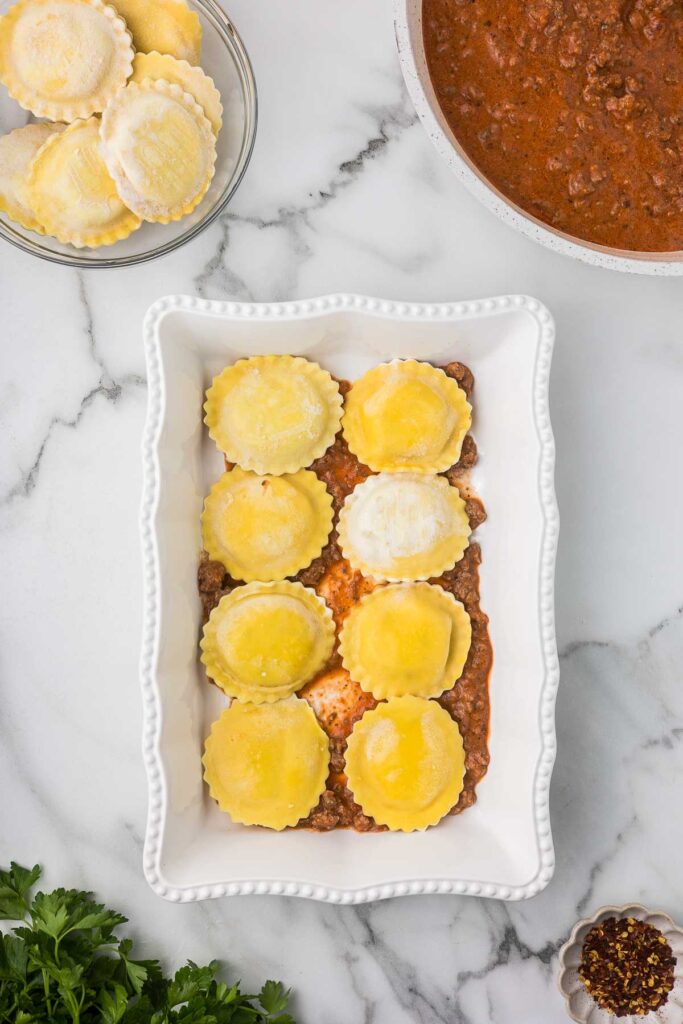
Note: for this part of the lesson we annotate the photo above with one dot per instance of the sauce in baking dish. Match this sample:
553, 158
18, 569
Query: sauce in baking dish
573, 109
337, 700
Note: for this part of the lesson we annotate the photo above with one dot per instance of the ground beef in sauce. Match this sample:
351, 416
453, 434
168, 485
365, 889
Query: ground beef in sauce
572, 108
337, 700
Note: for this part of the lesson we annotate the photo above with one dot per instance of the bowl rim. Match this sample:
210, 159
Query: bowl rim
233, 42
408, 27
635, 909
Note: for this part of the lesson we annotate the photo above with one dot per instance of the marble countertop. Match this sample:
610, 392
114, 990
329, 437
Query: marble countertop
344, 193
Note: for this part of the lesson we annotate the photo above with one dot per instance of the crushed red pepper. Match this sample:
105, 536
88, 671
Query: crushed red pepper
627, 966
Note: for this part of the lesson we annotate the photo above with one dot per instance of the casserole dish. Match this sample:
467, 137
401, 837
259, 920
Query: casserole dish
501, 847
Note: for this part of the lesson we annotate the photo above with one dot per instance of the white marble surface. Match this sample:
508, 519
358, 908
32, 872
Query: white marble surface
344, 194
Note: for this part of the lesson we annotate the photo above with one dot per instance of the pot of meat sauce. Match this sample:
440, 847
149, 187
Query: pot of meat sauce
563, 118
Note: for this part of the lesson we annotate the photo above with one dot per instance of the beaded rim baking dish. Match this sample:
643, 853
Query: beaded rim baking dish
500, 848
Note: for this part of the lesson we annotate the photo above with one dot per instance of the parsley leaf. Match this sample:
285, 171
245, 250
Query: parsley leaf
15, 886
63, 963
65, 910
273, 997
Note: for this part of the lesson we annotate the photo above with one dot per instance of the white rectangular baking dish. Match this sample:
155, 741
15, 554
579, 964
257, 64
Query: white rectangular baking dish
501, 847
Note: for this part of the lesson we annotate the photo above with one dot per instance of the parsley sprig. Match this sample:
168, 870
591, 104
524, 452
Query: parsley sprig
64, 964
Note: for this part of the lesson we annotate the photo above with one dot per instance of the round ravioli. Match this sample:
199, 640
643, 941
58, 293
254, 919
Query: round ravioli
406, 415
64, 59
407, 638
264, 641
266, 527
403, 526
167, 26
266, 764
273, 414
17, 150
405, 763
190, 78
72, 192
159, 148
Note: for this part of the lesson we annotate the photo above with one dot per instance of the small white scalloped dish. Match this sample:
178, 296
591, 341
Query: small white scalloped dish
502, 846
581, 1007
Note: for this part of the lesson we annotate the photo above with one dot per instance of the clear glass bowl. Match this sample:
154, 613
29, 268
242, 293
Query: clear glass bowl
225, 59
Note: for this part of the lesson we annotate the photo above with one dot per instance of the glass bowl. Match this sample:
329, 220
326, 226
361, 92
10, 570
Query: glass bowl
225, 59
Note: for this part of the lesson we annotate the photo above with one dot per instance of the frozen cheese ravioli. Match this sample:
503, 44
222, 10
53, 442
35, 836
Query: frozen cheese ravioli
403, 526
64, 59
406, 638
266, 527
264, 641
160, 149
167, 26
189, 77
17, 150
72, 193
266, 764
406, 415
405, 763
273, 414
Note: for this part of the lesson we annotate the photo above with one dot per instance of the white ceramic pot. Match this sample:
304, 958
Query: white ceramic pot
408, 27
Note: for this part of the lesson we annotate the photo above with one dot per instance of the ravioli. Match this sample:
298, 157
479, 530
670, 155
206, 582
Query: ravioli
264, 641
190, 78
405, 763
266, 764
72, 193
266, 527
64, 59
406, 638
273, 414
17, 150
159, 148
167, 26
403, 526
406, 415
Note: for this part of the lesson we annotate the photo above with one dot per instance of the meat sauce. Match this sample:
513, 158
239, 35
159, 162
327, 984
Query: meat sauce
573, 109
337, 700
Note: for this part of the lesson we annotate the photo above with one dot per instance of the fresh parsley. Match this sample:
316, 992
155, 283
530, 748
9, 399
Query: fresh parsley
63, 963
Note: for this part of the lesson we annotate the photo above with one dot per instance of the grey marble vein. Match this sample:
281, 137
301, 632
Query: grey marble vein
108, 387
297, 220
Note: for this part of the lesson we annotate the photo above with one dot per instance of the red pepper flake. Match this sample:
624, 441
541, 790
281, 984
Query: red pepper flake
627, 966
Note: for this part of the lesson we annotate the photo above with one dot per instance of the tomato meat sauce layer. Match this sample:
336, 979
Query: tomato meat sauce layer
573, 109
337, 700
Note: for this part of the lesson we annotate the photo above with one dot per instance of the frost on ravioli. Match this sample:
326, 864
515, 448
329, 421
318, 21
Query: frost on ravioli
17, 150
72, 192
159, 148
264, 641
63, 59
403, 526
167, 26
273, 414
266, 764
266, 527
179, 72
405, 763
406, 638
406, 415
